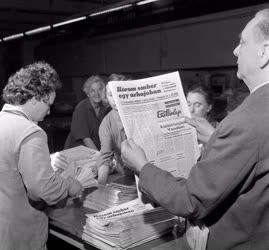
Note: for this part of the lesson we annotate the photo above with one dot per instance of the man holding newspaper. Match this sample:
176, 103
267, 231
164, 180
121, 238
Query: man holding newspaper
228, 188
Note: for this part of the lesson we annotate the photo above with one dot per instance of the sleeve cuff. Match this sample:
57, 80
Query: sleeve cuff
145, 174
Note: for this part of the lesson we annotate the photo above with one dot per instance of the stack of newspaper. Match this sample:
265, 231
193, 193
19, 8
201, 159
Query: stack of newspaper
108, 196
78, 162
127, 225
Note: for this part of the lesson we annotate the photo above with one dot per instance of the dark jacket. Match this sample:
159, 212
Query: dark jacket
229, 187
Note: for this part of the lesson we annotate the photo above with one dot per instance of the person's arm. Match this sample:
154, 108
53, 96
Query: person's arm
103, 172
227, 162
38, 176
105, 159
89, 143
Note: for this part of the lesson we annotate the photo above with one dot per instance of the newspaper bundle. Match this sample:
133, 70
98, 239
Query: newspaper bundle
150, 110
127, 225
108, 196
78, 162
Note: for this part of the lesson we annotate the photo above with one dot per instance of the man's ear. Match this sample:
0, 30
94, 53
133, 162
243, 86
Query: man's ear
34, 101
264, 55
209, 108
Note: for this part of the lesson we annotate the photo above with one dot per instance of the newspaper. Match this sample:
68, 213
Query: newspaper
127, 225
150, 110
118, 212
78, 162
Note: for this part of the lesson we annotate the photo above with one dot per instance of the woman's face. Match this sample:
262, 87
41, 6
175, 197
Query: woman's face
110, 97
198, 104
95, 92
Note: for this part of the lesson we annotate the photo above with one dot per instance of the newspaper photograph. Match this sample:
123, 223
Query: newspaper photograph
150, 110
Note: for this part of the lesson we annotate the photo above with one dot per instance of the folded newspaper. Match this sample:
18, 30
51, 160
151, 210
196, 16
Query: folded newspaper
78, 162
150, 110
127, 225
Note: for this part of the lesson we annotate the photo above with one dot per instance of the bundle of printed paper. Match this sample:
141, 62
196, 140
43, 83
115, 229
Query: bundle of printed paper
127, 225
78, 162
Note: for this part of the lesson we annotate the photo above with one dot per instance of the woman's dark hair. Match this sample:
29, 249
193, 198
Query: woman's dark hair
35, 80
203, 90
117, 77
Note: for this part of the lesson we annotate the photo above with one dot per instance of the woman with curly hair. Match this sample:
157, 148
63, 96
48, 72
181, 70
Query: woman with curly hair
28, 183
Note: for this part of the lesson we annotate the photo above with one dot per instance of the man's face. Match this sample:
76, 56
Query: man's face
95, 92
247, 53
42, 108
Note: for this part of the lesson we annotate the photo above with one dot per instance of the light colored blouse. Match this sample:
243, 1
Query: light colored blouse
111, 134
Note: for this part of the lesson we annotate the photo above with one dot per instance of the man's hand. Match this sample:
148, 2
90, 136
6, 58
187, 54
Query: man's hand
133, 155
203, 127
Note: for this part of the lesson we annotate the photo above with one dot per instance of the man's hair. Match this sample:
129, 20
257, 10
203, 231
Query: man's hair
262, 27
36, 80
203, 90
90, 81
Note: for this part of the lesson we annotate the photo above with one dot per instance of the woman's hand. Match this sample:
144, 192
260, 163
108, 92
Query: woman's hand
103, 172
203, 127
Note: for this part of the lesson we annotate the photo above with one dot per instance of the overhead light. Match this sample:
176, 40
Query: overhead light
49, 27
12, 37
111, 10
146, 2
70, 21
38, 30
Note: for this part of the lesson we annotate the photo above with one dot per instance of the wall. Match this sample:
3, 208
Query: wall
28, 50
10, 60
206, 41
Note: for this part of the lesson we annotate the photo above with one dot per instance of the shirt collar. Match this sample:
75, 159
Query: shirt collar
259, 86
15, 109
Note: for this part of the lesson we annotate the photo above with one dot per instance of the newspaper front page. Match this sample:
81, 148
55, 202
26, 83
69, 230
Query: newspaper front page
150, 110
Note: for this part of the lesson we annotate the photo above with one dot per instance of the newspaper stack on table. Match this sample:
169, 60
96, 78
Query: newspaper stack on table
108, 196
127, 225
78, 162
